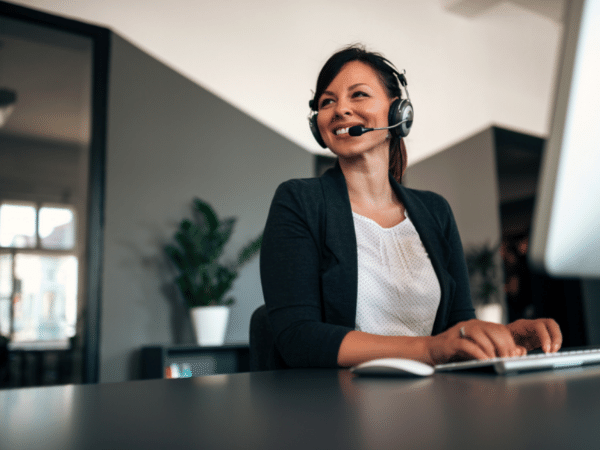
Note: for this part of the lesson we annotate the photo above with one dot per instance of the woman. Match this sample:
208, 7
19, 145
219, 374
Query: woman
354, 266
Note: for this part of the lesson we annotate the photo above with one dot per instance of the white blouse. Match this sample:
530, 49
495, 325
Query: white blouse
398, 290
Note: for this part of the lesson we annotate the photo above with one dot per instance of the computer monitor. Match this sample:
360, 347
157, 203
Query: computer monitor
565, 238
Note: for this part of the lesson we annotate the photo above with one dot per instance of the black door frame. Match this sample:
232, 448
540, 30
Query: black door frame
96, 182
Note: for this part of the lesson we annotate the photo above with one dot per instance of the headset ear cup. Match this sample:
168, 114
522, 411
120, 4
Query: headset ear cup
394, 115
401, 110
314, 128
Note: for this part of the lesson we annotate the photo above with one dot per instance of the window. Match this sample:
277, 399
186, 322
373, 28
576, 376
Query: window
57, 228
17, 225
38, 271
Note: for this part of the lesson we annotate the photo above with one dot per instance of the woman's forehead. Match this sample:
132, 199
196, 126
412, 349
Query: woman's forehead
354, 73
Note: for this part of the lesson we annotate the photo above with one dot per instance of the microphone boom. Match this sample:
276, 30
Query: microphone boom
357, 130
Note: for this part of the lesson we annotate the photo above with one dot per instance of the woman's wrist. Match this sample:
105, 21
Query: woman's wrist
429, 355
358, 347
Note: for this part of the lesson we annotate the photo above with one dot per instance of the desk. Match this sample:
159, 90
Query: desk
310, 409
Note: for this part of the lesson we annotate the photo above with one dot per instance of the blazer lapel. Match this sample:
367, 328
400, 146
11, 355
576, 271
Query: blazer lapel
339, 273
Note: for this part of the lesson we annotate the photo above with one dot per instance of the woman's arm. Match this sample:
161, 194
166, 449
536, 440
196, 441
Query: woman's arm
479, 340
290, 262
358, 347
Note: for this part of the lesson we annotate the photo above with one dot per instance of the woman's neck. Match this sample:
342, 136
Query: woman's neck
368, 182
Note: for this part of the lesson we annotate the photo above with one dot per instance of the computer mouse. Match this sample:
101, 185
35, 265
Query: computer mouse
399, 367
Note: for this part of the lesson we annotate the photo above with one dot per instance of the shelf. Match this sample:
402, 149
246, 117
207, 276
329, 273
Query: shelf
193, 361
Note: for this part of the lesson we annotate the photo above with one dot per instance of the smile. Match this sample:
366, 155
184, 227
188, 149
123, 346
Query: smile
342, 131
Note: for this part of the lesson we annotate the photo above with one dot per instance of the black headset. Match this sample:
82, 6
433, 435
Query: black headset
401, 115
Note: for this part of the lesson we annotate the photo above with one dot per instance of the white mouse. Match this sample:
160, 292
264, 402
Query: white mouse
393, 367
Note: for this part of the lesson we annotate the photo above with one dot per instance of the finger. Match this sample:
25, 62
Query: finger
555, 334
467, 349
543, 336
502, 340
480, 338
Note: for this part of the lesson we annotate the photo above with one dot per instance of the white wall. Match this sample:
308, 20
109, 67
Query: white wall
170, 140
263, 57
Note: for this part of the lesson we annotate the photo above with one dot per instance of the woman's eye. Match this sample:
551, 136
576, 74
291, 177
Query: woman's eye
360, 94
325, 102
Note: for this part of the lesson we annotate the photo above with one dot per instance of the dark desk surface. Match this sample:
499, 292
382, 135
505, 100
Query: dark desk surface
310, 409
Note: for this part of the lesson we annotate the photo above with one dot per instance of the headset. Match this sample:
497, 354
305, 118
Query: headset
401, 115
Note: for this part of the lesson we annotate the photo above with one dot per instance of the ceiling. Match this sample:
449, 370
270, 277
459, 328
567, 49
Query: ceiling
269, 72
552, 9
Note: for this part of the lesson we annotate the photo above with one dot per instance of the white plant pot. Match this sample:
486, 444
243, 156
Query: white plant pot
490, 313
210, 324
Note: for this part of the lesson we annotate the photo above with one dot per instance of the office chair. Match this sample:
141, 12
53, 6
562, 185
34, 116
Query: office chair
263, 353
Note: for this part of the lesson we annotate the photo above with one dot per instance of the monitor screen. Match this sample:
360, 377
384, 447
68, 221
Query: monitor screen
565, 238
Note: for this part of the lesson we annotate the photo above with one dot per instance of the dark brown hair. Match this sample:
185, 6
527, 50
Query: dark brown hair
389, 79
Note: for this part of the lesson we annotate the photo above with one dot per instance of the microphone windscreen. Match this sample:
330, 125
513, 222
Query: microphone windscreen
356, 130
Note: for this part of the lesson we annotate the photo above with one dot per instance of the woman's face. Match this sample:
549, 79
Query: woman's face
356, 96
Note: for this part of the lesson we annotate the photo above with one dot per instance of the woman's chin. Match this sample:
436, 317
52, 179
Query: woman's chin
356, 151
346, 154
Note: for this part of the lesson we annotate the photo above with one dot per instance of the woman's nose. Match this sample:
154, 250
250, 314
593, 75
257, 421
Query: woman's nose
342, 108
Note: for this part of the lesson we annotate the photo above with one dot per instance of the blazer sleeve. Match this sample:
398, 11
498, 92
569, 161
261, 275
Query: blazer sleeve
290, 275
462, 306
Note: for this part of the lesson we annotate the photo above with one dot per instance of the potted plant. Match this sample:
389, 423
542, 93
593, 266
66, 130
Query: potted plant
483, 268
203, 281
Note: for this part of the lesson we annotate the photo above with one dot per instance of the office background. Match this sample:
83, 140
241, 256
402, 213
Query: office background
194, 109
469, 62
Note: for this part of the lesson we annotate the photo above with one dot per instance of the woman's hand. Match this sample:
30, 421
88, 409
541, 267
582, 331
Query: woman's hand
473, 339
538, 333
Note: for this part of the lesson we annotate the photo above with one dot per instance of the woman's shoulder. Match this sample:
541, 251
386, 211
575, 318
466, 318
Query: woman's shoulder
303, 195
430, 207
329, 188
299, 187
432, 200
300, 183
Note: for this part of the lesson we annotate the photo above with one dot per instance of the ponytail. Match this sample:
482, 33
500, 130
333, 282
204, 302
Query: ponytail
397, 157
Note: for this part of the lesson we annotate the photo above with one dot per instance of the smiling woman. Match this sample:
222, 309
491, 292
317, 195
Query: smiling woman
355, 97
377, 74
355, 266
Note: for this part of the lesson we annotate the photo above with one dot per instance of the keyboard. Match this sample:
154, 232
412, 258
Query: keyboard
530, 362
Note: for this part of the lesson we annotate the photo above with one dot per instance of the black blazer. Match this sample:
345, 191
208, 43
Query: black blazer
309, 269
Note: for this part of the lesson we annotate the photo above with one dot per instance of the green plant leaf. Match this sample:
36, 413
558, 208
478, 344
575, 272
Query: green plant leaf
224, 280
248, 252
185, 286
483, 269
199, 244
207, 213
176, 257
219, 238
